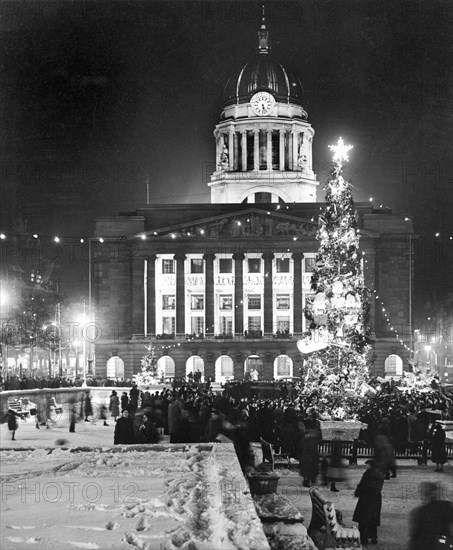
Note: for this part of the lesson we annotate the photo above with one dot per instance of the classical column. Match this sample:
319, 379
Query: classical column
230, 150
269, 149
282, 150
221, 145
137, 302
180, 294
256, 149
151, 295
297, 292
267, 302
217, 152
369, 278
295, 135
244, 150
236, 151
238, 293
209, 293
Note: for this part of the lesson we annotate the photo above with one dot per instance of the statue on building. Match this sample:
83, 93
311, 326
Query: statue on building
224, 158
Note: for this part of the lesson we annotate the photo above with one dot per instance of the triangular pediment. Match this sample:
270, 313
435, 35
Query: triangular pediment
252, 222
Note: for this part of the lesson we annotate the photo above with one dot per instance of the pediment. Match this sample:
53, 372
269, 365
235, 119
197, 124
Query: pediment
253, 222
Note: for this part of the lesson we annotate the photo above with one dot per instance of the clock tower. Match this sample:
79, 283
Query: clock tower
263, 139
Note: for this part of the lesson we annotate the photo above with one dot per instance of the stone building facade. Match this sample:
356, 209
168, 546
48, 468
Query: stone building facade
221, 287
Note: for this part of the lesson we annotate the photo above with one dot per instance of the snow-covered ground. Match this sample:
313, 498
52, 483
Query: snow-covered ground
171, 496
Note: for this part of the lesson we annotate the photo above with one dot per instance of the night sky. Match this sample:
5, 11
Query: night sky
97, 97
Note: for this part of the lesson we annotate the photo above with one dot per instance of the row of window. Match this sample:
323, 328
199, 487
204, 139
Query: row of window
225, 324
225, 301
226, 265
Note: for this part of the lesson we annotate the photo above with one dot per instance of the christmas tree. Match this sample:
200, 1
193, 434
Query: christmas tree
149, 374
338, 315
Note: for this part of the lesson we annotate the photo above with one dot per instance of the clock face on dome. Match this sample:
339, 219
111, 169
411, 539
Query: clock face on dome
262, 103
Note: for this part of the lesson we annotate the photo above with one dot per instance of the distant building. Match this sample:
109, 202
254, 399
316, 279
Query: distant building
221, 287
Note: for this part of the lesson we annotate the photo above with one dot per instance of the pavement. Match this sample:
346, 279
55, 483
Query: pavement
400, 495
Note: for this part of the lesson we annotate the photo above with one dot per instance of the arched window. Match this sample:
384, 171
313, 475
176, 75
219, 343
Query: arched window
194, 364
283, 367
253, 367
224, 368
115, 368
165, 367
393, 365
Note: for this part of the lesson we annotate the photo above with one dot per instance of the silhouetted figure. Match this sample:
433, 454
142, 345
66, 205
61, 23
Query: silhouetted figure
431, 520
368, 509
438, 450
124, 430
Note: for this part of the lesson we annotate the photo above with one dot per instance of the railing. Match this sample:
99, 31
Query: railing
353, 450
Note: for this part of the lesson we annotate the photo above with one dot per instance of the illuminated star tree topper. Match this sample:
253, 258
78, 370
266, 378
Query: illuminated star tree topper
340, 151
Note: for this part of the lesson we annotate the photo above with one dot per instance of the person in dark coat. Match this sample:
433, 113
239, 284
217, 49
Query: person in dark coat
114, 405
431, 520
368, 510
438, 450
134, 394
87, 407
309, 461
124, 430
147, 431
384, 451
12, 423
124, 401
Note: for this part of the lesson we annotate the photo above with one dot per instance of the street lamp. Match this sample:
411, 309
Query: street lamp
76, 345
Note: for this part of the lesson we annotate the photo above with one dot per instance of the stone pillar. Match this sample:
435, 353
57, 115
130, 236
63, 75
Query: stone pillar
269, 150
267, 302
256, 149
230, 150
209, 293
370, 278
297, 292
236, 151
238, 293
282, 150
137, 303
180, 295
295, 143
244, 150
221, 145
151, 295
217, 152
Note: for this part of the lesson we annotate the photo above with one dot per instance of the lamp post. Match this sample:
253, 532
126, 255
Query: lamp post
76, 344
3, 334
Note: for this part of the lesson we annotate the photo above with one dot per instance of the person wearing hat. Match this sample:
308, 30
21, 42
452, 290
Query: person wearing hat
367, 512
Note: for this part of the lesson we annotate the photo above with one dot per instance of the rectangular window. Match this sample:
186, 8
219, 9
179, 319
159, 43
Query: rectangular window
168, 301
283, 323
197, 301
282, 265
254, 301
254, 265
168, 266
196, 265
226, 302
225, 325
197, 325
282, 301
225, 265
309, 265
168, 325
254, 323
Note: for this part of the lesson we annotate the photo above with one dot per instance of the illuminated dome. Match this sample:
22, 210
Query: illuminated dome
263, 74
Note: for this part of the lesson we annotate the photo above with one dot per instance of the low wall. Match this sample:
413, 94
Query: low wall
63, 396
